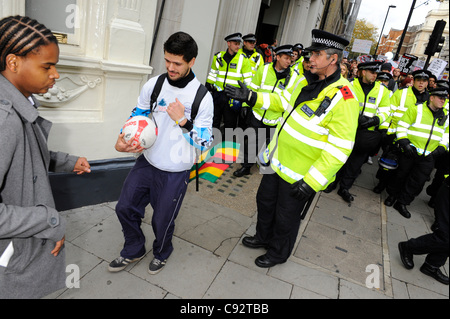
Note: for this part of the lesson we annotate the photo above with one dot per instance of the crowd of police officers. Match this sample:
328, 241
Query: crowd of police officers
320, 129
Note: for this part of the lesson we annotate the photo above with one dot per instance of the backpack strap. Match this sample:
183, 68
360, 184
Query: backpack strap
201, 93
156, 91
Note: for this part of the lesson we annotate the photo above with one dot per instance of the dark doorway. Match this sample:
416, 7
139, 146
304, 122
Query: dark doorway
269, 20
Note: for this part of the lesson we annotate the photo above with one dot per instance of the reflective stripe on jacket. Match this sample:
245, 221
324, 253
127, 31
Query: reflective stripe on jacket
422, 129
310, 147
223, 73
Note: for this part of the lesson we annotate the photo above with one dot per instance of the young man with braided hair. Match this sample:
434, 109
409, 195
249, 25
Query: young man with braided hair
32, 255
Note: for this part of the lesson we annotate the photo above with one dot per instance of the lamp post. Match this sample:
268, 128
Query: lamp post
381, 34
404, 31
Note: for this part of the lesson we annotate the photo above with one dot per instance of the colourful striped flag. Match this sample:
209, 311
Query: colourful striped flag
214, 162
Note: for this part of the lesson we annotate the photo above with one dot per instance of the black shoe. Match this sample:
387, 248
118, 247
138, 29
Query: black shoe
252, 242
379, 188
242, 171
401, 208
345, 195
435, 273
405, 255
265, 262
330, 187
390, 201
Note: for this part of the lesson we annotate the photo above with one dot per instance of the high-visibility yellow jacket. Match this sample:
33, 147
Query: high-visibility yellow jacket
376, 103
310, 147
298, 65
223, 73
423, 129
400, 101
256, 60
265, 80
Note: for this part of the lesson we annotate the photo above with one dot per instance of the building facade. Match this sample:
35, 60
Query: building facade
110, 48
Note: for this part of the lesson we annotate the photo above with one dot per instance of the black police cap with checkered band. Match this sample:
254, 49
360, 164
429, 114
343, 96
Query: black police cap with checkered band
322, 40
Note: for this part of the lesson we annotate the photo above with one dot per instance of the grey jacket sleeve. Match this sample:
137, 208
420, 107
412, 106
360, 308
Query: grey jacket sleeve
23, 222
62, 162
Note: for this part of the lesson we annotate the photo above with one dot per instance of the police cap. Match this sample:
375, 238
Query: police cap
384, 76
322, 40
424, 74
234, 37
249, 37
371, 66
286, 49
439, 91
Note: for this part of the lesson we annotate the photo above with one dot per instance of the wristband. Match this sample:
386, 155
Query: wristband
180, 120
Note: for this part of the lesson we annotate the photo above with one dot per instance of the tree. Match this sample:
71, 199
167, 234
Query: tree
364, 30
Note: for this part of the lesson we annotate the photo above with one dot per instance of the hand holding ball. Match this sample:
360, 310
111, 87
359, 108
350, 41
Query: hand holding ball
140, 129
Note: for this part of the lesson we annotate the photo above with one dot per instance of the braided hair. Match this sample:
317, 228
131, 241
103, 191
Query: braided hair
21, 35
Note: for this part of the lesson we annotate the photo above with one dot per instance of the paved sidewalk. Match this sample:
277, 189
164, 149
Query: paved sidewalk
340, 251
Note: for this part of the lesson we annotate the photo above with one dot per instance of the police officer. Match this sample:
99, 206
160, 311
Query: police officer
297, 58
273, 77
311, 143
228, 67
384, 78
401, 100
422, 134
434, 245
255, 58
374, 106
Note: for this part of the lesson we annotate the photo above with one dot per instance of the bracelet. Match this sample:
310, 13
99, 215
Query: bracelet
180, 120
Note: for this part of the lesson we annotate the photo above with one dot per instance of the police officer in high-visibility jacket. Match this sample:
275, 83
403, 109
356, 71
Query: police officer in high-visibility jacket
401, 100
422, 134
228, 67
273, 77
312, 142
374, 106
255, 58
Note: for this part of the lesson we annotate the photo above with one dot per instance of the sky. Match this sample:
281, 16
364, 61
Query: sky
374, 11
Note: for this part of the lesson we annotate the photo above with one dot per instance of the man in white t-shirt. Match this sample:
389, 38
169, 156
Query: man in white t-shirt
161, 175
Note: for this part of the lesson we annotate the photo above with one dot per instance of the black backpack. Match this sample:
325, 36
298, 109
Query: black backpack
201, 93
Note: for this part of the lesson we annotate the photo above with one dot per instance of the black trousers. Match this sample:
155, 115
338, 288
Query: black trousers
367, 144
222, 110
435, 244
387, 145
279, 217
261, 134
409, 178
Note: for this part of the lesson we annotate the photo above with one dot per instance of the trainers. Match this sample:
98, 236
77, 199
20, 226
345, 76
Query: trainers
156, 266
121, 263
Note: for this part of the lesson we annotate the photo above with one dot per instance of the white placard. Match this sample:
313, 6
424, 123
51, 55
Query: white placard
437, 66
362, 46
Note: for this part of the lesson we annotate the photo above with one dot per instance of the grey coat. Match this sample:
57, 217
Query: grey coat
28, 218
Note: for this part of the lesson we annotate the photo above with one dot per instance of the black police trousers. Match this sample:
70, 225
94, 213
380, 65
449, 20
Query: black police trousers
435, 245
279, 217
222, 110
409, 178
261, 134
367, 144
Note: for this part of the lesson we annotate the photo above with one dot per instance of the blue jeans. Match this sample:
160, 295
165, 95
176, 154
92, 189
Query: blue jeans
165, 192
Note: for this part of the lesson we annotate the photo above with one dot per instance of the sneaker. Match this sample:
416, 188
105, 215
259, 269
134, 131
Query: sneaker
156, 266
121, 263
370, 161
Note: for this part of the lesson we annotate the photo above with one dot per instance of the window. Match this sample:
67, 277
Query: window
62, 17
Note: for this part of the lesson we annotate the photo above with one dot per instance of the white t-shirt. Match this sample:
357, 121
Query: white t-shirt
173, 150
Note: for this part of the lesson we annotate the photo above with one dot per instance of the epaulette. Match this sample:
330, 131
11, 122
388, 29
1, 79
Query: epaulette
346, 93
